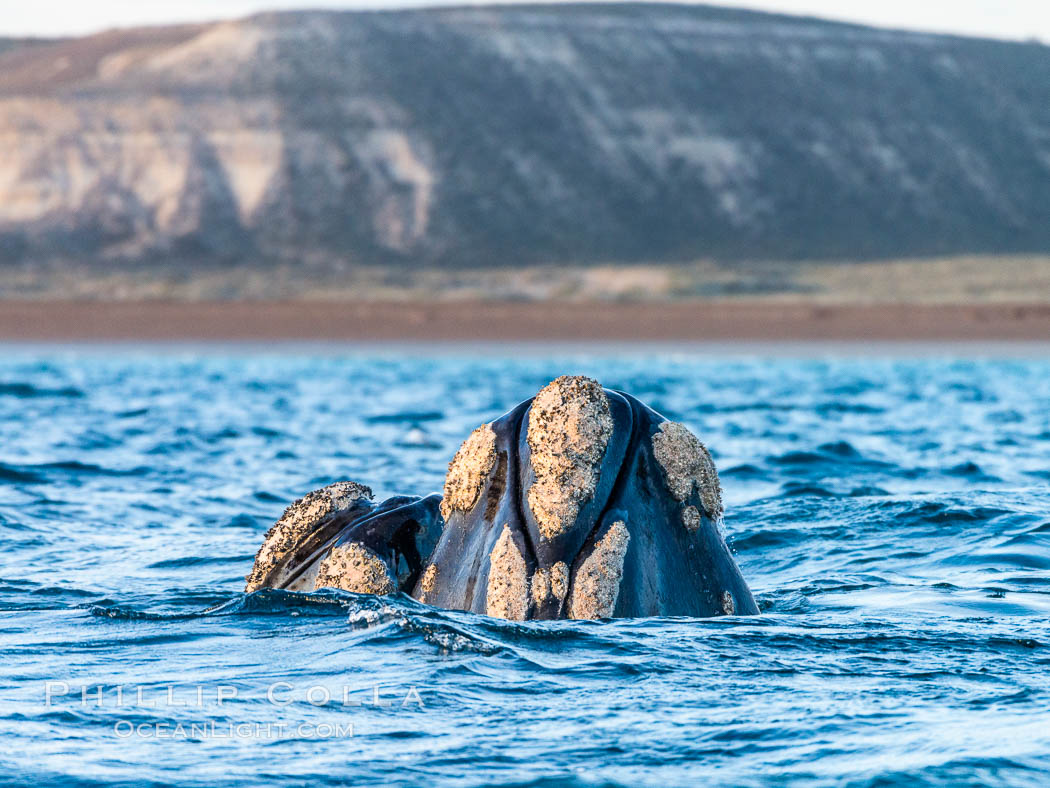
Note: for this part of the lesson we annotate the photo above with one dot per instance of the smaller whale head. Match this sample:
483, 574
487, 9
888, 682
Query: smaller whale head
338, 537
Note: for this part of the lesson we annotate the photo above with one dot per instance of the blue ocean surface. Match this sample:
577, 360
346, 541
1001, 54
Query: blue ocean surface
892, 516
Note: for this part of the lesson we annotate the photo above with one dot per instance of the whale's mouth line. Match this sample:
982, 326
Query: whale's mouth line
314, 557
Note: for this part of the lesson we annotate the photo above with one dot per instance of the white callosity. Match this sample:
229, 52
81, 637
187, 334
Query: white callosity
507, 594
550, 583
569, 429
687, 465
596, 583
468, 471
427, 582
354, 567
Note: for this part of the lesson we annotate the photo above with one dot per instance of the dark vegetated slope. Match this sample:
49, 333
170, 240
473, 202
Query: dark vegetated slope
494, 136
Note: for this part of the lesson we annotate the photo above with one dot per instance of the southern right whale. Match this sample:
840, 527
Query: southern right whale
581, 502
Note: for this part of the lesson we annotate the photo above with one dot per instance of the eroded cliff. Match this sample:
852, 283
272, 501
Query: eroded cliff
511, 135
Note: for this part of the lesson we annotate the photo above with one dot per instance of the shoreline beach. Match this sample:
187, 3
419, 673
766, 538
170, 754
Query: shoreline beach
508, 321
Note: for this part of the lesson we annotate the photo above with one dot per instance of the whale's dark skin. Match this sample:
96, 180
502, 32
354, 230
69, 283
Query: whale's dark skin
579, 503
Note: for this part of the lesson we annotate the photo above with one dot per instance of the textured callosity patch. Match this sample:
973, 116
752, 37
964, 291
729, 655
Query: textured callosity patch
427, 582
687, 465
507, 595
297, 521
691, 518
728, 604
354, 567
550, 584
596, 584
468, 470
569, 430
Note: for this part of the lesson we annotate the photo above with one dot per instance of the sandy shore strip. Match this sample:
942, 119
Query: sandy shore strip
490, 321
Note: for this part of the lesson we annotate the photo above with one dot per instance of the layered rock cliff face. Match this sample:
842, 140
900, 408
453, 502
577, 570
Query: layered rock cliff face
495, 136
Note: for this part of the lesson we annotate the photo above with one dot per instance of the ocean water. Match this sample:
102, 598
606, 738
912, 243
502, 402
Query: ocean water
892, 516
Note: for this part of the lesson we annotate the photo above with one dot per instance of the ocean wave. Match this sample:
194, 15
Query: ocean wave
42, 473
29, 390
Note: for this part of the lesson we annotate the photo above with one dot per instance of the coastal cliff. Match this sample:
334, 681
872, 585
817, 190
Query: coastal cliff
520, 135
